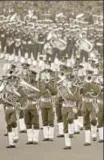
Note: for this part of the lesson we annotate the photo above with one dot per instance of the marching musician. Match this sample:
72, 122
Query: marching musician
8, 93
81, 73
70, 95
24, 47
9, 72
47, 91
89, 91
30, 45
71, 41
40, 39
10, 47
48, 50
100, 116
98, 79
78, 118
17, 46
3, 40
31, 115
24, 73
58, 102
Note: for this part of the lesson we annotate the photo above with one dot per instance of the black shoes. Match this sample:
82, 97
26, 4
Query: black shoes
23, 131
46, 139
28, 143
16, 141
76, 132
81, 128
87, 144
51, 139
71, 136
101, 141
35, 143
31, 142
11, 146
60, 136
6, 134
94, 139
67, 148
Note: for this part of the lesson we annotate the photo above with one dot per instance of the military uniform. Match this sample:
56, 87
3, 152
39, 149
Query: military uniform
31, 115
2, 39
10, 47
70, 46
100, 116
22, 101
10, 114
24, 48
58, 103
30, 47
25, 75
40, 44
47, 90
81, 75
17, 46
89, 90
70, 95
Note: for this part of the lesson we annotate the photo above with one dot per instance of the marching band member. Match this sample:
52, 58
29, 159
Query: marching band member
81, 76
24, 48
10, 48
89, 90
58, 104
24, 73
10, 112
31, 115
17, 47
47, 90
3, 41
99, 106
70, 97
100, 116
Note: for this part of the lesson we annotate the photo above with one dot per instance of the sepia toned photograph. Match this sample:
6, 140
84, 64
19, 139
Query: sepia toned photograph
51, 80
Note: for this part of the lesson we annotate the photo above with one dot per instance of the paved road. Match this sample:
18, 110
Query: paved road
47, 150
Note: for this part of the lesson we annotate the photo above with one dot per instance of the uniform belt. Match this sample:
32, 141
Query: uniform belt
99, 101
46, 99
87, 100
32, 101
9, 107
69, 104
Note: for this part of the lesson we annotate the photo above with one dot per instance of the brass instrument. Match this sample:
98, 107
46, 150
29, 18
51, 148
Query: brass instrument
28, 86
10, 96
84, 44
91, 93
63, 90
55, 41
